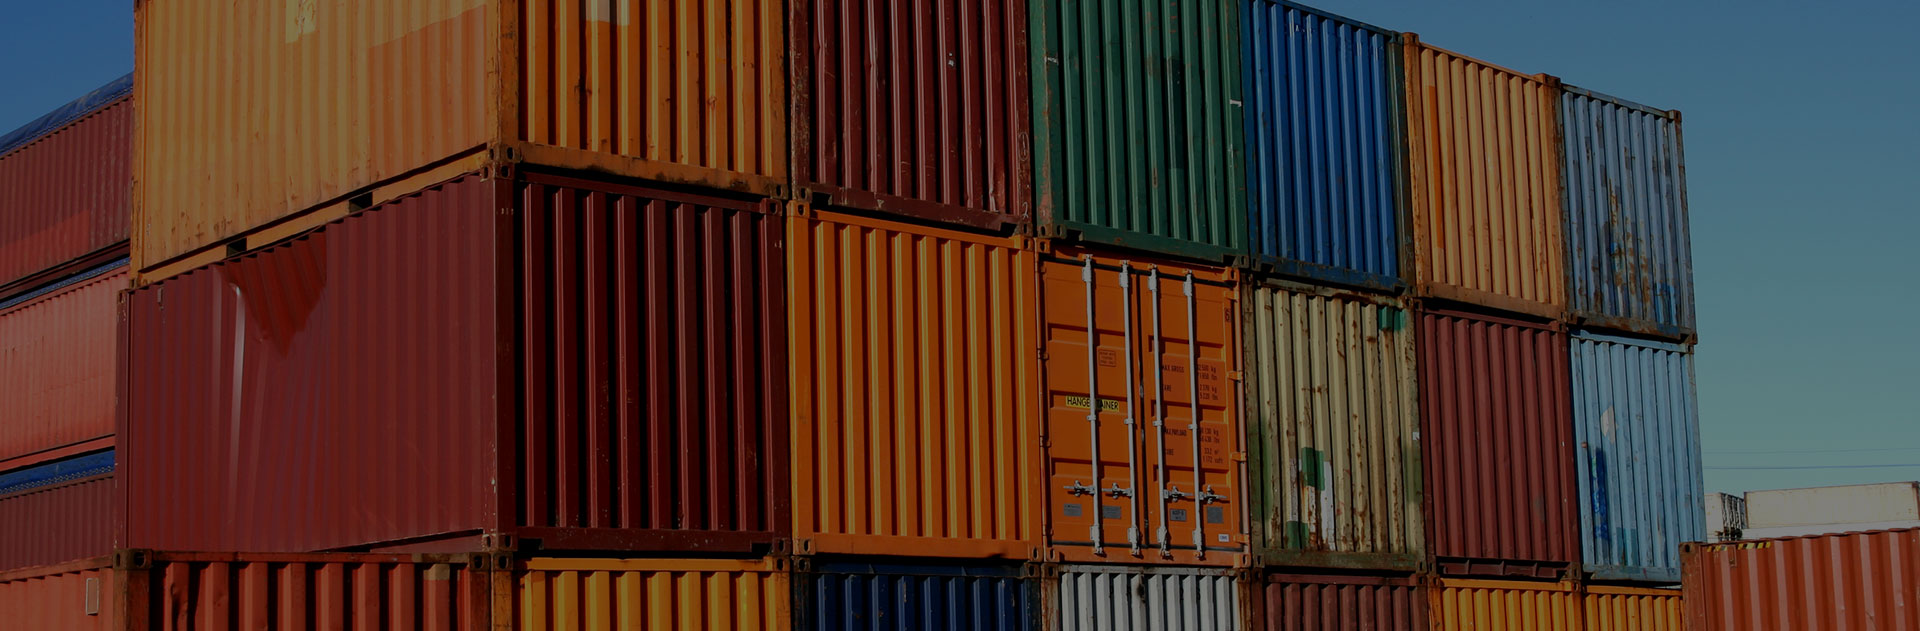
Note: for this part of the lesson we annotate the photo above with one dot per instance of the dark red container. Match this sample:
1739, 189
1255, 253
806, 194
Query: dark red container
1497, 431
571, 364
917, 108
57, 523
1306, 602
66, 194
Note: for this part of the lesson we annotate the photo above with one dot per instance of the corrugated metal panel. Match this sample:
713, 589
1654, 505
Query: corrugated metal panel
652, 594
1102, 597
69, 597
1633, 609
866, 597
1324, 141
1498, 444
56, 366
1468, 605
1485, 190
1137, 130
1637, 427
1341, 603
1336, 442
88, 104
64, 191
1846, 581
1630, 259
914, 425
919, 108
58, 523
1156, 344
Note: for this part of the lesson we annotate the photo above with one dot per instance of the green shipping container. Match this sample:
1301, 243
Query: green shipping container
1137, 121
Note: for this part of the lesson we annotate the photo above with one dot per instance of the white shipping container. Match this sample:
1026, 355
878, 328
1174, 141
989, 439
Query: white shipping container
1130, 598
1793, 512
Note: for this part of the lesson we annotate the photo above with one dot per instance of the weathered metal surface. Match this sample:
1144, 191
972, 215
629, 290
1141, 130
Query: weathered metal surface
65, 181
654, 594
1156, 473
1475, 605
1860, 580
1611, 608
919, 108
1484, 188
1335, 434
849, 596
1137, 125
1636, 425
1301, 602
1100, 597
1497, 445
915, 428
56, 366
57, 521
1629, 256
1726, 517
1325, 139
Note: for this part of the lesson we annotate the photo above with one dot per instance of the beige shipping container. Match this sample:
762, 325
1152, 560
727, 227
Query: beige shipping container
258, 120
1484, 160
1832, 509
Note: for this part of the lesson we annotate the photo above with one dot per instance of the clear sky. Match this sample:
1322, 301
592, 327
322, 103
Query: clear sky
1802, 152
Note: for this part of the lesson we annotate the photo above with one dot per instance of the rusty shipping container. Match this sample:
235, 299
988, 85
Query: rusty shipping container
915, 426
1334, 433
572, 363
556, 594
1497, 445
1856, 580
1099, 597
1629, 255
1479, 605
1484, 188
1145, 456
920, 109
1612, 608
65, 179
56, 365
1636, 425
1305, 602
58, 511
382, 98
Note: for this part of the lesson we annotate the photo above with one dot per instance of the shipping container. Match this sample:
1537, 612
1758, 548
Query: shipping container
1145, 453
56, 365
1137, 125
572, 363
1325, 140
77, 596
1484, 187
253, 115
1101, 597
1636, 423
914, 377
1297, 602
1334, 438
1478, 605
1497, 445
1831, 509
1611, 608
856, 596
1629, 256
655, 594
57, 512
1858, 580
65, 179
919, 108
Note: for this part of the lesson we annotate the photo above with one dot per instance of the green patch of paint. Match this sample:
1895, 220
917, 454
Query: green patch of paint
1392, 319
1296, 535
1312, 467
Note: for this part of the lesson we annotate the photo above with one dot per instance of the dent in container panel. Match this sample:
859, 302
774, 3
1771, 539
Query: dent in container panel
1637, 426
1630, 259
1310, 602
1100, 597
56, 366
854, 596
65, 179
915, 429
1856, 580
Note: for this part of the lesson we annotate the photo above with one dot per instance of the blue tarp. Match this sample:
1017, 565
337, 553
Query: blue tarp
65, 114
55, 472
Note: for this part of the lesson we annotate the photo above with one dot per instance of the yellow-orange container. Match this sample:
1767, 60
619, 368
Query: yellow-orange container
915, 429
1633, 609
651, 594
1165, 347
252, 114
1485, 182
1476, 605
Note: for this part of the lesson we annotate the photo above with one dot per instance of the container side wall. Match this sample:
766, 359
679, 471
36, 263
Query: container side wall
1484, 189
1637, 429
1137, 128
1094, 598
913, 374
1324, 144
1846, 581
847, 597
1304, 603
1630, 260
1459, 605
321, 591
58, 599
653, 594
56, 366
1631, 609
56, 524
1336, 447
66, 194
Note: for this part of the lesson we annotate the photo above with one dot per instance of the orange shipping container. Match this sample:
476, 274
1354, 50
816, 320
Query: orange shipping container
1152, 346
1854, 580
1633, 609
1476, 605
915, 430
1485, 188
253, 113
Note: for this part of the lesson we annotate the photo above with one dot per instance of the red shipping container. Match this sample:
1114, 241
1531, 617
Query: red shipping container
917, 108
1856, 580
588, 365
1496, 443
65, 186
1303, 602
56, 368
57, 523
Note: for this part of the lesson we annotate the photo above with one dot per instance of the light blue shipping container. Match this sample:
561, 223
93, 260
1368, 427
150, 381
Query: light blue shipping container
1637, 429
1629, 258
1324, 143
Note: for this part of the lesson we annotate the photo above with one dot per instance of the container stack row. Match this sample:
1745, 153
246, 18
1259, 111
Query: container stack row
857, 314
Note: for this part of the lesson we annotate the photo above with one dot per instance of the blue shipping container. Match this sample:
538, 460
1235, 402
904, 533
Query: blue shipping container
1324, 142
876, 597
1629, 258
1637, 428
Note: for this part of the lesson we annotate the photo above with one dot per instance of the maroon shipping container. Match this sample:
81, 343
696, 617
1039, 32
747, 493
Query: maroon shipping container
56, 368
1303, 602
612, 356
57, 523
1497, 431
918, 108
65, 196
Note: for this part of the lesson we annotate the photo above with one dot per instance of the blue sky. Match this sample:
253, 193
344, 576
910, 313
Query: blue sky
1802, 142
